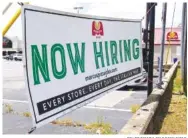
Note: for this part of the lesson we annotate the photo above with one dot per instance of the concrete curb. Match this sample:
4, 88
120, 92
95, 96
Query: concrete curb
142, 122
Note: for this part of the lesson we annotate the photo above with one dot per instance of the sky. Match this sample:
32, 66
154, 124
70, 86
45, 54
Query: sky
109, 8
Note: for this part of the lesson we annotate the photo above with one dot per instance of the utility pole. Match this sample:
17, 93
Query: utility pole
78, 8
162, 44
184, 48
151, 46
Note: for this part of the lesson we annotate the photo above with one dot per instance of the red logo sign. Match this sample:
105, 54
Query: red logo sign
172, 36
97, 28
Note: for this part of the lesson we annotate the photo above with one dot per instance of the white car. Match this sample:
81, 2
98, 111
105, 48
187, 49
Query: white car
5, 56
17, 57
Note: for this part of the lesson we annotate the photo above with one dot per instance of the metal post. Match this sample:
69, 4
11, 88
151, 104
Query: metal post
183, 46
145, 50
162, 43
12, 20
182, 40
146, 27
185, 60
151, 48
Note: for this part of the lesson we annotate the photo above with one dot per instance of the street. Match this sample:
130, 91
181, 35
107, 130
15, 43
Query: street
114, 107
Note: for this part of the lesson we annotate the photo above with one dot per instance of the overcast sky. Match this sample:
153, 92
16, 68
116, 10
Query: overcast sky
109, 8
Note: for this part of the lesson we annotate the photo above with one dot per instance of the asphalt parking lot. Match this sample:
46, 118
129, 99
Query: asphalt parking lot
113, 107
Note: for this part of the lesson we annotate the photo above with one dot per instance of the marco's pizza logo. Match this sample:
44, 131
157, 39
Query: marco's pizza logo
97, 28
172, 36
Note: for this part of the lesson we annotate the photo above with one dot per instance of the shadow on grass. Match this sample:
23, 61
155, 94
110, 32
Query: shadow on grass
164, 107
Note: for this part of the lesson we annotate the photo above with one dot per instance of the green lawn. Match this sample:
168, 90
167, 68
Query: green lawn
175, 121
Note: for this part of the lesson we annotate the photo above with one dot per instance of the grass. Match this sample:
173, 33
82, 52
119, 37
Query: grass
131, 89
8, 108
100, 127
67, 122
177, 85
27, 114
174, 120
134, 108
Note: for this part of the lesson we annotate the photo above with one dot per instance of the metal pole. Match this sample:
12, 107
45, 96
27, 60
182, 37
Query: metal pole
151, 48
147, 18
145, 50
162, 43
185, 61
185, 66
7, 7
184, 48
12, 20
182, 42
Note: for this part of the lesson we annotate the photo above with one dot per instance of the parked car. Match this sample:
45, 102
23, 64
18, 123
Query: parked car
6, 57
10, 57
17, 57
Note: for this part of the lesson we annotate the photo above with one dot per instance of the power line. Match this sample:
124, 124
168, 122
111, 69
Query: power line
148, 11
173, 16
170, 34
7, 7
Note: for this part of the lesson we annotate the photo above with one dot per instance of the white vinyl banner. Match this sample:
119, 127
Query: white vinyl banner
71, 59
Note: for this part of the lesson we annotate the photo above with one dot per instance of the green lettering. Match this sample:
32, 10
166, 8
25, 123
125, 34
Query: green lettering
77, 59
40, 64
120, 51
113, 48
98, 54
107, 54
58, 74
127, 50
135, 50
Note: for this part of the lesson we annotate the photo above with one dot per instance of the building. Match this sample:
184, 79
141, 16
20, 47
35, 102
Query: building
11, 45
172, 46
